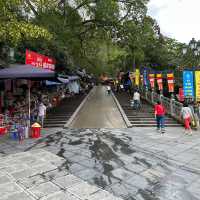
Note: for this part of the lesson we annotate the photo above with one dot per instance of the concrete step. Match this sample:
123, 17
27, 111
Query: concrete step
143, 117
146, 117
154, 125
151, 122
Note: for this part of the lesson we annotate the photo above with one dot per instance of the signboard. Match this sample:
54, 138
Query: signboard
170, 81
188, 83
137, 77
159, 81
152, 80
39, 60
197, 84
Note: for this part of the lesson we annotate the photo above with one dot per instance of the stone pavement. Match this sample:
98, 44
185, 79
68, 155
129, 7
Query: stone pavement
37, 175
134, 164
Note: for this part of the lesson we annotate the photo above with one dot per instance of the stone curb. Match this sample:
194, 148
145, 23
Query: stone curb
125, 118
75, 114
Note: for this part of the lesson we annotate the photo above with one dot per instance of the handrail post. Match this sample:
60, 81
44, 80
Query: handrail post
172, 105
152, 97
161, 95
146, 91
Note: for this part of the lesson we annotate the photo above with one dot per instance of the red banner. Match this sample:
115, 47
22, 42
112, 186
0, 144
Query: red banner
170, 80
152, 80
159, 81
39, 60
181, 95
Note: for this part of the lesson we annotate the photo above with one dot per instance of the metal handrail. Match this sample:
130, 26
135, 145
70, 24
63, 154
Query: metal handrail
173, 107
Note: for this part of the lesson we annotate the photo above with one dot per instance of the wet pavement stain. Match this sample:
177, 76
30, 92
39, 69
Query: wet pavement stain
113, 162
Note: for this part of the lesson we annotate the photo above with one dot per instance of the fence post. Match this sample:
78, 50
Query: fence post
152, 97
172, 105
160, 97
146, 91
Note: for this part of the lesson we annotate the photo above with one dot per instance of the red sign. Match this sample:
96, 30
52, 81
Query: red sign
39, 60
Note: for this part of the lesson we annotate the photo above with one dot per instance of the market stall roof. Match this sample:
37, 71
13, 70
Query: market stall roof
52, 83
63, 80
26, 72
67, 78
73, 78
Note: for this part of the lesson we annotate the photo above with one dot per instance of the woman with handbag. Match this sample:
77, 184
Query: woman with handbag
186, 114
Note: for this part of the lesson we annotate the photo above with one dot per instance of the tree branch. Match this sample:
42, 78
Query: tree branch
31, 7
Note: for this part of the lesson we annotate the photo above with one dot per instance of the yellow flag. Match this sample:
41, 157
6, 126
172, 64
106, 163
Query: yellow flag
197, 81
137, 77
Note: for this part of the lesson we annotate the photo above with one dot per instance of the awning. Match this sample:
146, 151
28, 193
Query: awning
63, 80
52, 83
25, 72
73, 78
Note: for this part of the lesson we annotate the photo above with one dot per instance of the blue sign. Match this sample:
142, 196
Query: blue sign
188, 83
145, 78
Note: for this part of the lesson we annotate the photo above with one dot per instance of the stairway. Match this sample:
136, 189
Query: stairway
58, 116
145, 116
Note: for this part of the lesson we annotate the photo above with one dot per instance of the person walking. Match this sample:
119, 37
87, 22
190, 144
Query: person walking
108, 89
136, 100
186, 114
159, 111
41, 113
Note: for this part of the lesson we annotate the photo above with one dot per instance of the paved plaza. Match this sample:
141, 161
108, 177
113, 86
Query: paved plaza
38, 174
133, 164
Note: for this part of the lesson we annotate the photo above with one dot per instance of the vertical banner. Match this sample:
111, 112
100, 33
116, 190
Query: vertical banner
170, 81
159, 81
137, 77
197, 84
152, 80
181, 95
188, 83
145, 77
142, 79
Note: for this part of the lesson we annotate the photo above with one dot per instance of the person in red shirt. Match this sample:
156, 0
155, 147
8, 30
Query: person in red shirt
160, 116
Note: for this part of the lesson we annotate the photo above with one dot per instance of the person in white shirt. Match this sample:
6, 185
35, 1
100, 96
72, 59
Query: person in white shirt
186, 114
136, 99
41, 113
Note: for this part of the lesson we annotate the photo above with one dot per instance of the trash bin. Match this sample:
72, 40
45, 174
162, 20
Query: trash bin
35, 130
14, 134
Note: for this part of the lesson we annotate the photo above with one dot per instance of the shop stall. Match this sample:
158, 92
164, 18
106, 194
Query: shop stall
16, 97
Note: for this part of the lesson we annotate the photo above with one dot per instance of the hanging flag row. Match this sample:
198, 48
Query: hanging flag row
191, 81
149, 78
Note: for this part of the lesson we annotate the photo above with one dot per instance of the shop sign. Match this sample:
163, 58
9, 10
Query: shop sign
39, 60
170, 81
197, 84
188, 83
